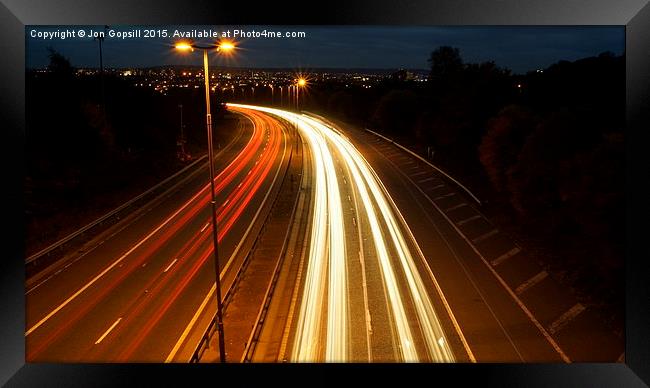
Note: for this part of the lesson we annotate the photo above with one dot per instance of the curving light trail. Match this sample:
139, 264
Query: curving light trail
163, 289
324, 303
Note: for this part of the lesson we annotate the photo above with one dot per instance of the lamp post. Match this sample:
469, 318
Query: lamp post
100, 39
300, 84
221, 47
181, 140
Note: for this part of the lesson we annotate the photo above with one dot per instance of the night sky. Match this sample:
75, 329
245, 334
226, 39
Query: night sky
520, 49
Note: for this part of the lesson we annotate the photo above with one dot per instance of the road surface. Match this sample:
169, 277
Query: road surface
133, 297
364, 293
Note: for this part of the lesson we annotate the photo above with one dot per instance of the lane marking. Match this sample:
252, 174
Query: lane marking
445, 302
224, 270
485, 236
226, 202
505, 256
198, 312
170, 265
116, 262
426, 179
108, 331
463, 204
531, 282
205, 227
466, 220
163, 195
565, 318
509, 290
419, 173
440, 186
444, 196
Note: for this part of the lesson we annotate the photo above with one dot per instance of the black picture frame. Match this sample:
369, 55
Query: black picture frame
633, 14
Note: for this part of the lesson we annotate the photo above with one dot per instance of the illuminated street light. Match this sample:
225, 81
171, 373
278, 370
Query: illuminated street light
184, 46
301, 83
224, 47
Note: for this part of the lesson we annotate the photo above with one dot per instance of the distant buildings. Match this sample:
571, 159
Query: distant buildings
163, 79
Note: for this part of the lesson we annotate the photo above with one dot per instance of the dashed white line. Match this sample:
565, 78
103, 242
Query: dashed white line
426, 179
466, 220
505, 256
444, 196
205, 227
108, 331
485, 236
531, 282
565, 318
170, 265
440, 186
456, 207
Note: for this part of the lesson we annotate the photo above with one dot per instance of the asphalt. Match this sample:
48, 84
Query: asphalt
509, 309
370, 331
130, 299
247, 309
144, 291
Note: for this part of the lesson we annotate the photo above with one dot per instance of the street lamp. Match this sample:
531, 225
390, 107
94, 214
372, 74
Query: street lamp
223, 47
300, 84
181, 141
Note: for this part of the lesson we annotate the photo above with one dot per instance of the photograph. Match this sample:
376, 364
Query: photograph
325, 194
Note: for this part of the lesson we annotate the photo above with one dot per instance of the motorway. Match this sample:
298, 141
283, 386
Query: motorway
400, 266
381, 260
135, 296
364, 295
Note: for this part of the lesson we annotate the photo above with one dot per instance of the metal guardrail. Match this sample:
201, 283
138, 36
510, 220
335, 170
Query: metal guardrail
108, 215
212, 326
261, 315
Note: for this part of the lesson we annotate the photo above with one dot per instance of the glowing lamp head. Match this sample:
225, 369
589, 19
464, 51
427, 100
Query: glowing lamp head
183, 46
302, 82
226, 46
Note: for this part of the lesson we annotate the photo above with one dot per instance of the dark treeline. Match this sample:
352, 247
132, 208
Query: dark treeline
78, 152
545, 148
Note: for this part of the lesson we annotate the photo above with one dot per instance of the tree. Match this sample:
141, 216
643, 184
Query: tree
59, 65
445, 61
503, 141
397, 112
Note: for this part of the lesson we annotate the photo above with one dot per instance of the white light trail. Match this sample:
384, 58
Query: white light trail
327, 270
